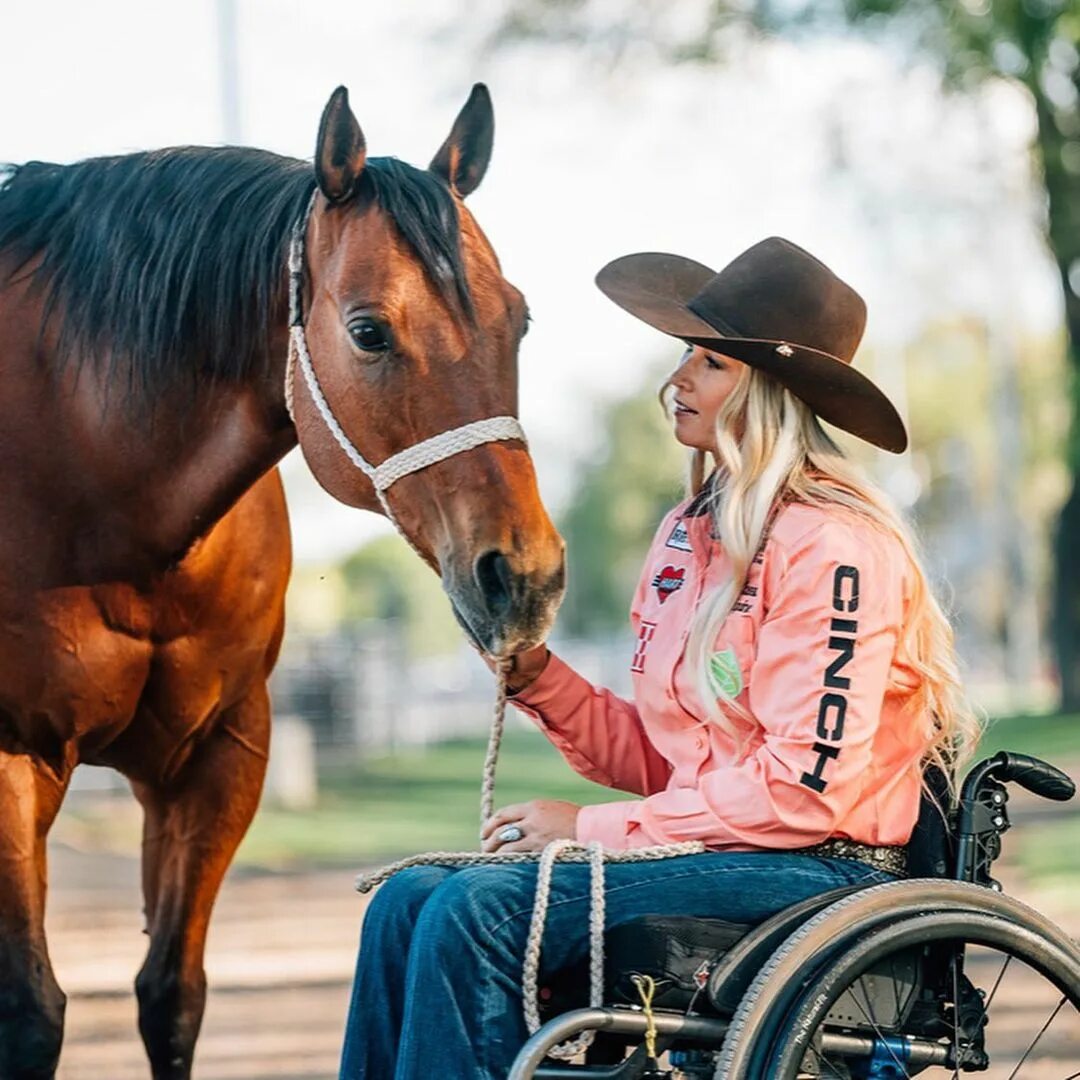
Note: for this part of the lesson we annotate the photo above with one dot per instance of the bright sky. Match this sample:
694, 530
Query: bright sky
923, 204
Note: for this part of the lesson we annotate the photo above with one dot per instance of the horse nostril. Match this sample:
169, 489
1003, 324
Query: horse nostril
494, 576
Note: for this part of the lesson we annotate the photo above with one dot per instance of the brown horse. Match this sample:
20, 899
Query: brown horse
144, 546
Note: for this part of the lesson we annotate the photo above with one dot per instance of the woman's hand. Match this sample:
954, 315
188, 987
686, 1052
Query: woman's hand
525, 667
539, 821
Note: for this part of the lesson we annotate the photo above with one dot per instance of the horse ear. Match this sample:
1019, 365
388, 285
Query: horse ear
463, 159
341, 150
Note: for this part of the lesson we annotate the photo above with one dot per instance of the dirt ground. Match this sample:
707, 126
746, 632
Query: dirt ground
279, 963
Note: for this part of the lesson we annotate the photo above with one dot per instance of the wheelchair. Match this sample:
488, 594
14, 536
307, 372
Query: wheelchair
938, 973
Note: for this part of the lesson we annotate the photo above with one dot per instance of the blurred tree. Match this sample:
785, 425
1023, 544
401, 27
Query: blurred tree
381, 582
1032, 43
618, 503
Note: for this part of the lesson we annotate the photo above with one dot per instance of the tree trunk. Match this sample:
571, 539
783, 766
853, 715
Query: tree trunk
1066, 616
1063, 233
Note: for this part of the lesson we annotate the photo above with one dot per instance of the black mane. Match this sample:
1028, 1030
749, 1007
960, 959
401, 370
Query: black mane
168, 259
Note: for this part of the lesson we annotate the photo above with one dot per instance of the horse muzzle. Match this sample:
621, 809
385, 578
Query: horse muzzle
503, 604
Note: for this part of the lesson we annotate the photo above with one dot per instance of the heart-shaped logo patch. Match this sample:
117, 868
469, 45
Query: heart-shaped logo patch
667, 581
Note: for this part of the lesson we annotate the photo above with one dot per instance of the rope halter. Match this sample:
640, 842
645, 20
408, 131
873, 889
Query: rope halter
412, 459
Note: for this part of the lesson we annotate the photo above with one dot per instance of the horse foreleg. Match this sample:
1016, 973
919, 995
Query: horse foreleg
31, 1001
192, 829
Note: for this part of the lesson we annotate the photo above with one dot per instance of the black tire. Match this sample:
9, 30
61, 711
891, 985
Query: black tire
821, 941
795, 1033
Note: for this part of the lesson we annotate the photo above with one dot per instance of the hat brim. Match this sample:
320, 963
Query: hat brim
657, 287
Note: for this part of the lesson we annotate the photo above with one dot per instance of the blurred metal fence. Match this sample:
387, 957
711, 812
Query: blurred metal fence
363, 694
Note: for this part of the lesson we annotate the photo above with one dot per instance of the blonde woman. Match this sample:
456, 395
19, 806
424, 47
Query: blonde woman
793, 675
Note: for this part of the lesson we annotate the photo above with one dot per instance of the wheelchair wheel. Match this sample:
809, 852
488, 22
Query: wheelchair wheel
1005, 1002
886, 983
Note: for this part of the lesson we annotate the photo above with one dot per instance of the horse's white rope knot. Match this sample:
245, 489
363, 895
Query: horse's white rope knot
567, 851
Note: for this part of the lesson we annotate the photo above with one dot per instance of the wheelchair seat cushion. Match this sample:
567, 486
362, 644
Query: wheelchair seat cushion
676, 950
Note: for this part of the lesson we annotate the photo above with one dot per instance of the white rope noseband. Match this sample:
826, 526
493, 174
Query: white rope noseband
412, 459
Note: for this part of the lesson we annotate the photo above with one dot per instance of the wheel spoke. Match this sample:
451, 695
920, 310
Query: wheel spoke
993, 990
1042, 1031
822, 1061
956, 1014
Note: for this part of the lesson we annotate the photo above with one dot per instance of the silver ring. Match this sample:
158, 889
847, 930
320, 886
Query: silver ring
509, 835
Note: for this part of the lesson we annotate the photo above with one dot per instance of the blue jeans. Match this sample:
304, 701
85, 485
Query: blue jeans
438, 980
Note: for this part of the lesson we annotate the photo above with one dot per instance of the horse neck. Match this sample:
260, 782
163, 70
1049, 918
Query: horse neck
118, 491
234, 434
202, 451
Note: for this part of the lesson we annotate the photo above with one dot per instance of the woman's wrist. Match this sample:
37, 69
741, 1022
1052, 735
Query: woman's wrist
526, 667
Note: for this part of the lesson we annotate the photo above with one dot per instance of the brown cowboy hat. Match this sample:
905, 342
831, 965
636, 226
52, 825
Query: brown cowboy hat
776, 308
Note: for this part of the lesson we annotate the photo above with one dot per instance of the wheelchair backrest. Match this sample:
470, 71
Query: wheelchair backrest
932, 848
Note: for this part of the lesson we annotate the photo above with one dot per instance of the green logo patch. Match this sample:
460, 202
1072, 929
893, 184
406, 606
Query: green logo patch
725, 674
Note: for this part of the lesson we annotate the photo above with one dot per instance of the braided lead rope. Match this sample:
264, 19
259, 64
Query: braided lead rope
530, 972
491, 758
420, 456
365, 883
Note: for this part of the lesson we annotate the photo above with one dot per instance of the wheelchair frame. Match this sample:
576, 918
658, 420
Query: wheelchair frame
759, 985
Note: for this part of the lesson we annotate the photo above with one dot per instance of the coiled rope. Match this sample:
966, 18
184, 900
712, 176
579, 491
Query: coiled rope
566, 851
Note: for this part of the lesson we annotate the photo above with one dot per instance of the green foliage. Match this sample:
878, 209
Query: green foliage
1035, 43
619, 502
1055, 737
975, 39
383, 581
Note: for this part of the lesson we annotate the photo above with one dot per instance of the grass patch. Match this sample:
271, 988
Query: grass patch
1053, 737
1047, 851
413, 801
427, 800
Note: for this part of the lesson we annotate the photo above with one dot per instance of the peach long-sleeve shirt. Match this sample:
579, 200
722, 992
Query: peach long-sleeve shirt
832, 747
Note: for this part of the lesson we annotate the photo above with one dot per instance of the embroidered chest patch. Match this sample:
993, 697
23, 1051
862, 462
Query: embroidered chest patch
679, 538
668, 581
725, 674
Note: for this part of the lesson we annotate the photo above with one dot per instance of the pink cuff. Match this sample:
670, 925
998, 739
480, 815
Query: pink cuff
548, 686
606, 822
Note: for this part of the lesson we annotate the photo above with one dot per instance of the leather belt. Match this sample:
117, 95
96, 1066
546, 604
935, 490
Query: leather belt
893, 860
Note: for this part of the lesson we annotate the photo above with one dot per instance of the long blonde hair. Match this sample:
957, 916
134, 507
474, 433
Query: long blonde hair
771, 448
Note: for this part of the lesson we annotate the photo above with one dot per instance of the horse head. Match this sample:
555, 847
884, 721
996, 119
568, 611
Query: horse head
411, 331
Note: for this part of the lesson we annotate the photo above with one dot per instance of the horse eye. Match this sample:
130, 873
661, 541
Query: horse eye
369, 335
